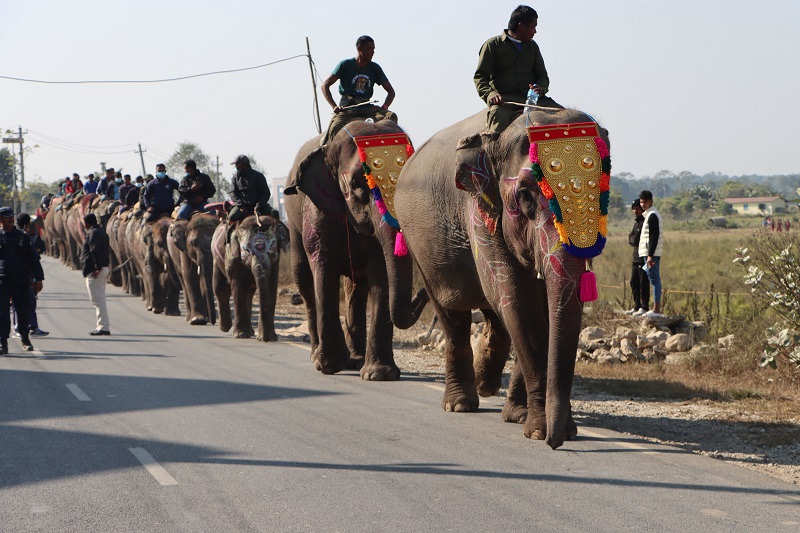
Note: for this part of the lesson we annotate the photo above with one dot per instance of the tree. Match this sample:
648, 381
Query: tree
189, 150
6, 168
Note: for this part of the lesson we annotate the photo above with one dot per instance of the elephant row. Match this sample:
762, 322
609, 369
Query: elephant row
485, 230
207, 260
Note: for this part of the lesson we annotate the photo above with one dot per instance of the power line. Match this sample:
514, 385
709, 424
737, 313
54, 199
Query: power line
153, 81
78, 145
77, 150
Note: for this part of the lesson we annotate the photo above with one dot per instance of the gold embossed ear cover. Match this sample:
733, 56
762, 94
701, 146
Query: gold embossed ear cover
572, 166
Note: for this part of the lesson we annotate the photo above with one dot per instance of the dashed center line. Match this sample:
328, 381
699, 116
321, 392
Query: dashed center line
151, 465
79, 394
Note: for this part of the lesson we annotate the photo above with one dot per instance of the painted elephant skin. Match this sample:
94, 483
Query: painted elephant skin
247, 266
477, 239
189, 244
338, 231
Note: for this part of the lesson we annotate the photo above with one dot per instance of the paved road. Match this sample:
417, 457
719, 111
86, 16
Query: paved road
168, 427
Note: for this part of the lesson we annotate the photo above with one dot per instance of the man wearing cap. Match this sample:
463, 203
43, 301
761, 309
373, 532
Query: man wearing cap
94, 264
158, 195
20, 270
250, 191
24, 225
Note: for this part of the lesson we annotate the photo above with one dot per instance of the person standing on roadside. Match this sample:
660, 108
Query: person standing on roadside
651, 244
24, 225
20, 270
640, 285
94, 264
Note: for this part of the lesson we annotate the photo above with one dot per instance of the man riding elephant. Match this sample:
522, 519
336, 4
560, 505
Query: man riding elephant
357, 76
159, 199
509, 65
196, 188
250, 191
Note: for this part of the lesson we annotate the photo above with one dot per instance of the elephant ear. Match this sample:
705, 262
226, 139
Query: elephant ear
473, 175
314, 178
282, 234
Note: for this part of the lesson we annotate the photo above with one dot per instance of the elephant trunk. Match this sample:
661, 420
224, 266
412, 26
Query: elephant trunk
565, 325
404, 309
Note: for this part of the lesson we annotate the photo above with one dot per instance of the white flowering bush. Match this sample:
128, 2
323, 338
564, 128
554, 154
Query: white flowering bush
771, 262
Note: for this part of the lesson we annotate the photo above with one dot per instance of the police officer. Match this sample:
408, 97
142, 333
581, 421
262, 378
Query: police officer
20, 270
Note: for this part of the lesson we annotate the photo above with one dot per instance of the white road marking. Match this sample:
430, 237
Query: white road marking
152, 466
79, 394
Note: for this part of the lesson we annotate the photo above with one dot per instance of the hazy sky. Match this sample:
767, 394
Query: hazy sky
700, 85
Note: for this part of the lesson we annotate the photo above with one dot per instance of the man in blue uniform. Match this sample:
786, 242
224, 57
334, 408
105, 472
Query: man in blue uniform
158, 195
20, 270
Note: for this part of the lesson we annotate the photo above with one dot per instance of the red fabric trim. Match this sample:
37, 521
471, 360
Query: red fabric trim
554, 132
389, 139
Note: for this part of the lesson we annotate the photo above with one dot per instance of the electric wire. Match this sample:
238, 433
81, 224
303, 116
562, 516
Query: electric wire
78, 145
163, 80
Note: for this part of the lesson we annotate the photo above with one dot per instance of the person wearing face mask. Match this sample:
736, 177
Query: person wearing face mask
159, 195
118, 182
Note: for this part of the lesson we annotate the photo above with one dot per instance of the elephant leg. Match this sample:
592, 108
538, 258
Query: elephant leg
222, 292
267, 290
515, 410
332, 354
460, 392
192, 294
356, 293
243, 291
304, 279
379, 363
171, 296
491, 355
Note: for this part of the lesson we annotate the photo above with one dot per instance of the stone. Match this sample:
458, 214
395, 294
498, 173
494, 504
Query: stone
628, 348
697, 330
726, 341
296, 299
680, 342
677, 358
599, 344
702, 350
660, 352
660, 337
646, 342
607, 359
591, 334
615, 343
477, 316
625, 333
583, 355
668, 321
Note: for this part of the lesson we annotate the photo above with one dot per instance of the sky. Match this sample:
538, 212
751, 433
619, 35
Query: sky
684, 85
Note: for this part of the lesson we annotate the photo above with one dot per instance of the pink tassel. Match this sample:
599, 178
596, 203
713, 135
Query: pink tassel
400, 246
381, 205
588, 287
602, 147
534, 153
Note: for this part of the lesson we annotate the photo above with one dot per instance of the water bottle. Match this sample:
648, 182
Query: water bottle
533, 97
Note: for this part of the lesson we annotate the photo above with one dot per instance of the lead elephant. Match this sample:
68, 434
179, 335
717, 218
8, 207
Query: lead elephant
247, 265
488, 238
189, 243
338, 231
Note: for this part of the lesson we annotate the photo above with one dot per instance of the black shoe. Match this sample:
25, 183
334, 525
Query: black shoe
26, 345
99, 332
4, 347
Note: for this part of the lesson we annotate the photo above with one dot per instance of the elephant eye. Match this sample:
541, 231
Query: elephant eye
556, 166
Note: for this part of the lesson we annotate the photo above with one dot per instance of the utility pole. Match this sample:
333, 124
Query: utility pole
21, 161
314, 85
141, 158
219, 180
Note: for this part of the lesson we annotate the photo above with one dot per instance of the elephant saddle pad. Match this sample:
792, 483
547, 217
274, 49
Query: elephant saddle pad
571, 165
383, 156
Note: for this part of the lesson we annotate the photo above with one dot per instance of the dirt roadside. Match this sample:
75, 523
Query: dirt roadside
728, 431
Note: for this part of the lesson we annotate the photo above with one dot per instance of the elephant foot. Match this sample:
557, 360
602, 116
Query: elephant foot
225, 325
536, 428
157, 311
329, 365
172, 312
514, 413
198, 321
326, 368
460, 401
243, 333
380, 372
355, 362
271, 336
486, 390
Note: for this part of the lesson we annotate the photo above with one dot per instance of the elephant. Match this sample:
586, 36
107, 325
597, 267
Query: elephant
484, 237
247, 265
189, 244
161, 284
338, 231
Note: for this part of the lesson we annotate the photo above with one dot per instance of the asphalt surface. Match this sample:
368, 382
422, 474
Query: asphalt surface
168, 427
